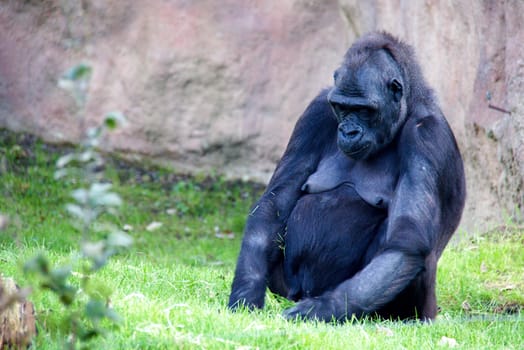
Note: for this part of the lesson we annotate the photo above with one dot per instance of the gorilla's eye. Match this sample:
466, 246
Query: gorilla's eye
364, 112
396, 88
338, 109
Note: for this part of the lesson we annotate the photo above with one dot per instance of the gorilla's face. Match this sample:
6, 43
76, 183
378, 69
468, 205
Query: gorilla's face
369, 104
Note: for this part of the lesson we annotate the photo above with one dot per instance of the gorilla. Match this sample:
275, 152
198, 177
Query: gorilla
366, 196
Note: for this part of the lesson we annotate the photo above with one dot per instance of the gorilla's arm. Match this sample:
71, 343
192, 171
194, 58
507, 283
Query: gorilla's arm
415, 226
388, 273
314, 131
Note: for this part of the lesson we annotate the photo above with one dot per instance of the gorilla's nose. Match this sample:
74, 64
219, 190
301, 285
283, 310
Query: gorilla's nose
350, 132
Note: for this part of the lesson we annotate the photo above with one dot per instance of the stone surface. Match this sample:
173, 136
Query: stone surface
217, 86
207, 86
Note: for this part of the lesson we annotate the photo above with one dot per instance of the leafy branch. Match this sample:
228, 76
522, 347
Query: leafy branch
86, 303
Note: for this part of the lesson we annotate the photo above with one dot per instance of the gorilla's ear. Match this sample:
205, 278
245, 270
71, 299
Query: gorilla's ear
336, 75
396, 88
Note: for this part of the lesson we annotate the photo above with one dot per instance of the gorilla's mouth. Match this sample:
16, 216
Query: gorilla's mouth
358, 152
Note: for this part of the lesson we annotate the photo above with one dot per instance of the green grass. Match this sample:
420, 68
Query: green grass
171, 288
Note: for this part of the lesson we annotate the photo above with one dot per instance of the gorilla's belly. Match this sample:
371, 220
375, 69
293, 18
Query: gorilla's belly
327, 238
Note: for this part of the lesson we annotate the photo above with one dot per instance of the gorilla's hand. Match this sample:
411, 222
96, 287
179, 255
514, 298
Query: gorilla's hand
325, 308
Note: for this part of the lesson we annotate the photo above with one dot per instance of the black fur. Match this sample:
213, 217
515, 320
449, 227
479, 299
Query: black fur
365, 198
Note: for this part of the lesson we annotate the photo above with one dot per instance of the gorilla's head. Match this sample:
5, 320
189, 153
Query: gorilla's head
368, 100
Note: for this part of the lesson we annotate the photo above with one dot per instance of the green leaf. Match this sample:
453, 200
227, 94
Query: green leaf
119, 239
67, 294
109, 199
98, 188
66, 84
38, 264
99, 195
98, 289
113, 315
93, 250
94, 133
60, 274
88, 335
77, 211
60, 173
86, 156
81, 71
64, 160
96, 252
95, 310
114, 120
80, 195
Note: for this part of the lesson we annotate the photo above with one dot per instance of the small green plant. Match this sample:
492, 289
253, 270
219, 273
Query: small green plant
86, 302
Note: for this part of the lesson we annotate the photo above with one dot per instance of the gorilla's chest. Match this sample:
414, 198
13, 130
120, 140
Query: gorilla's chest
374, 180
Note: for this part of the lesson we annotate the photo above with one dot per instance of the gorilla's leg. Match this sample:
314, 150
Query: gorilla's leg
276, 282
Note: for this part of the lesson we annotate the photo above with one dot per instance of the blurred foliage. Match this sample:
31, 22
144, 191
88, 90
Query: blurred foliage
86, 304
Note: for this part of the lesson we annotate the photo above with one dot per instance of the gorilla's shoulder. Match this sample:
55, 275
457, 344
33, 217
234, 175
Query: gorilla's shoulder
429, 137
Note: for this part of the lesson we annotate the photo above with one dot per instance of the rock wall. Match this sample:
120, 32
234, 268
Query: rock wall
207, 85
217, 86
